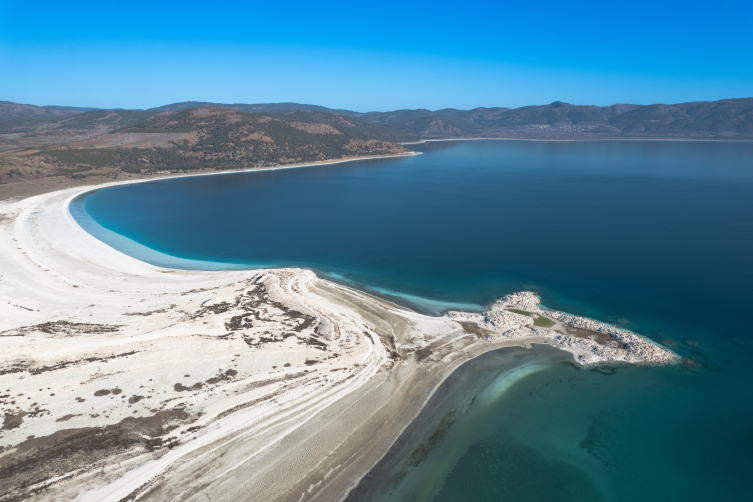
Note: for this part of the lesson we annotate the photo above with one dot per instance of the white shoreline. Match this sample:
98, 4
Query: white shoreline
249, 170
324, 414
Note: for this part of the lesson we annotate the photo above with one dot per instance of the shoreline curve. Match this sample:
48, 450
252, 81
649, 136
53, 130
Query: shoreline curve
205, 381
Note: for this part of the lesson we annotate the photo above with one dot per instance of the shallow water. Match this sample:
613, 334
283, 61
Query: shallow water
566, 434
655, 237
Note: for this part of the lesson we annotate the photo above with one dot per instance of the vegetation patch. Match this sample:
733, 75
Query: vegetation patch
91, 157
145, 129
540, 321
543, 322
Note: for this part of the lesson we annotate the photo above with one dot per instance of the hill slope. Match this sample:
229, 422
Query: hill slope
731, 118
74, 127
728, 116
16, 111
728, 119
219, 138
251, 108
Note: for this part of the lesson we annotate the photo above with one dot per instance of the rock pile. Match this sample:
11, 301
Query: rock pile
637, 349
525, 300
506, 325
494, 320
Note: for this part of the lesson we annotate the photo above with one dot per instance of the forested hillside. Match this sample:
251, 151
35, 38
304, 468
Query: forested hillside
728, 119
217, 138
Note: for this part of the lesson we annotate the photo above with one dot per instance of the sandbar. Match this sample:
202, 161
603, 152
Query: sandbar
124, 380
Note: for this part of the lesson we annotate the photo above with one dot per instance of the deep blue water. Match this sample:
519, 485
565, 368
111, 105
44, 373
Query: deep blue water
656, 237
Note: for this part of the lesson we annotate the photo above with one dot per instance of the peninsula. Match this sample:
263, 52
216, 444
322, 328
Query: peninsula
122, 380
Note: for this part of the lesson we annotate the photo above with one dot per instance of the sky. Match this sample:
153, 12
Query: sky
375, 56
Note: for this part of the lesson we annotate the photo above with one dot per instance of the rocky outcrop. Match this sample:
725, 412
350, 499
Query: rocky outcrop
636, 349
493, 320
619, 345
502, 319
525, 300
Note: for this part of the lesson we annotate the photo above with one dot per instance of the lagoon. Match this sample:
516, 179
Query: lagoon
652, 236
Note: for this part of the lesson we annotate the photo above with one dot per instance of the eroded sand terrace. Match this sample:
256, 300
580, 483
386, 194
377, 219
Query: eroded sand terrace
122, 380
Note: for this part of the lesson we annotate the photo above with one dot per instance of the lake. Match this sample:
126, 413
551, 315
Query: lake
652, 236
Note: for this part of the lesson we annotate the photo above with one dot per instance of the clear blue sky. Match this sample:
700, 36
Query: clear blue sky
375, 55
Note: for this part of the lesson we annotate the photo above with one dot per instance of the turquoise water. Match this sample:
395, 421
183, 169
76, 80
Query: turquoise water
527, 426
655, 237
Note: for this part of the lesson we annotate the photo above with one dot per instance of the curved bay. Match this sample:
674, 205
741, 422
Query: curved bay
655, 237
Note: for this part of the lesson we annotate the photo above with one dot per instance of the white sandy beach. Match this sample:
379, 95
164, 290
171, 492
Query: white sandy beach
120, 379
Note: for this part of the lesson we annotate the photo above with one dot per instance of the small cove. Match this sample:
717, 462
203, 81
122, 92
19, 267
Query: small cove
651, 236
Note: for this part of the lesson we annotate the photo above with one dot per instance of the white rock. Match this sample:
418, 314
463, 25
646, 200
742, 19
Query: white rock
502, 319
507, 325
525, 300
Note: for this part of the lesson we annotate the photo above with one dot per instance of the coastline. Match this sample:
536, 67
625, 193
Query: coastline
580, 139
59, 303
101, 183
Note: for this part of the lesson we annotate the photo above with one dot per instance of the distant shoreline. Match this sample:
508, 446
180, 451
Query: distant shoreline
580, 139
47, 185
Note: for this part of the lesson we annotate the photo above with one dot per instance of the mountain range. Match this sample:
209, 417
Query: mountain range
108, 142
724, 119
